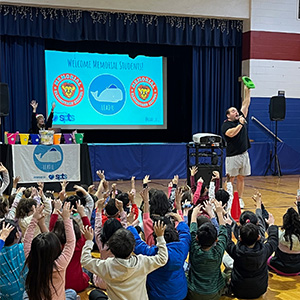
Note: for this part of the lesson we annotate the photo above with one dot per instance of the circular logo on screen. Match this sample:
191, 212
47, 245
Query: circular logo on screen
48, 159
107, 94
68, 89
143, 91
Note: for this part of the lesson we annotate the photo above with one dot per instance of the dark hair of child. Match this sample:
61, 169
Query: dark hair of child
248, 217
27, 192
122, 243
201, 220
291, 225
73, 199
206, 235
45, 249
159, 203
249, 234
124, 198
50, 195
222, 195
24, 207
111, 209
109, 228
59, 230
171, 234
186, 196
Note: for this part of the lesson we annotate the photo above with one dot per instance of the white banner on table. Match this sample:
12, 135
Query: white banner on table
46, 163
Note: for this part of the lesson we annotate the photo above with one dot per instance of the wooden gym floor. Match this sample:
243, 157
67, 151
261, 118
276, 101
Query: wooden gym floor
278, 194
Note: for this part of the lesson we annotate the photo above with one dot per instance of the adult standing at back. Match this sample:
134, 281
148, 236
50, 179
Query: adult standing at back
235, 132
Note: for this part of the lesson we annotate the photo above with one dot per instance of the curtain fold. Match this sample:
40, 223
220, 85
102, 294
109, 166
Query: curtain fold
215, 86
23, 69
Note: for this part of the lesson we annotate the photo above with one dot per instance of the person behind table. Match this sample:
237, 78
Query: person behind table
38, 120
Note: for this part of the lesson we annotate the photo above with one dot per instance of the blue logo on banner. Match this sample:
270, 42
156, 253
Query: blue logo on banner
107, 94
48, 158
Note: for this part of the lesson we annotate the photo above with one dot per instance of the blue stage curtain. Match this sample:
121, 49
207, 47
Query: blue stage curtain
215, 86
76, 25
23, 31
23, 69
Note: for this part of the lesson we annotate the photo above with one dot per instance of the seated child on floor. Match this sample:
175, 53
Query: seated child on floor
125, 274
249, 277
207, 248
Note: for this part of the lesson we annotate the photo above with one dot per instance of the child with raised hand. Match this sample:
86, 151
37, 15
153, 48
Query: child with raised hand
102, 235
4, 233
46, 261
205, 280
249, 277
12, 259
168, 282
76, 279
125, 274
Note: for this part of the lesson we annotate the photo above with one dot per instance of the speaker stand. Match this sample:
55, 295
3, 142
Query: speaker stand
277, 170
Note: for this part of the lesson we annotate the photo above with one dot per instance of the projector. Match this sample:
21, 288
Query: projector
207, 139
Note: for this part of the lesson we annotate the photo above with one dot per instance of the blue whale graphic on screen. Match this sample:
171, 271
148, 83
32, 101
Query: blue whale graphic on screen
111, 94
52, 155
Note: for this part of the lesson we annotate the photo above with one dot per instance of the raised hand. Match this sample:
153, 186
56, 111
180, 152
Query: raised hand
216, 175
57, 204
2, 168
100, 174
159, 228
193, 170
66, 212
64, 185
257, 198
219, 207
146, 179
62, 195
177, 217
88, 233
16, 181
196, 212
100, 204
6, 230
145, 195
34, 105
38, 212
178, 197
270, 220
175, 179
80, 209
209, 209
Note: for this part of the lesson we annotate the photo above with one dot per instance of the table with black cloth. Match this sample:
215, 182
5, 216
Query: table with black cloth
6, 157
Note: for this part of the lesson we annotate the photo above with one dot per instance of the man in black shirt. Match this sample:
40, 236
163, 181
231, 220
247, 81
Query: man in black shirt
235, 132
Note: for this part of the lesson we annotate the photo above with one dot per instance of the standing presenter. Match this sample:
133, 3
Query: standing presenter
234, 129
